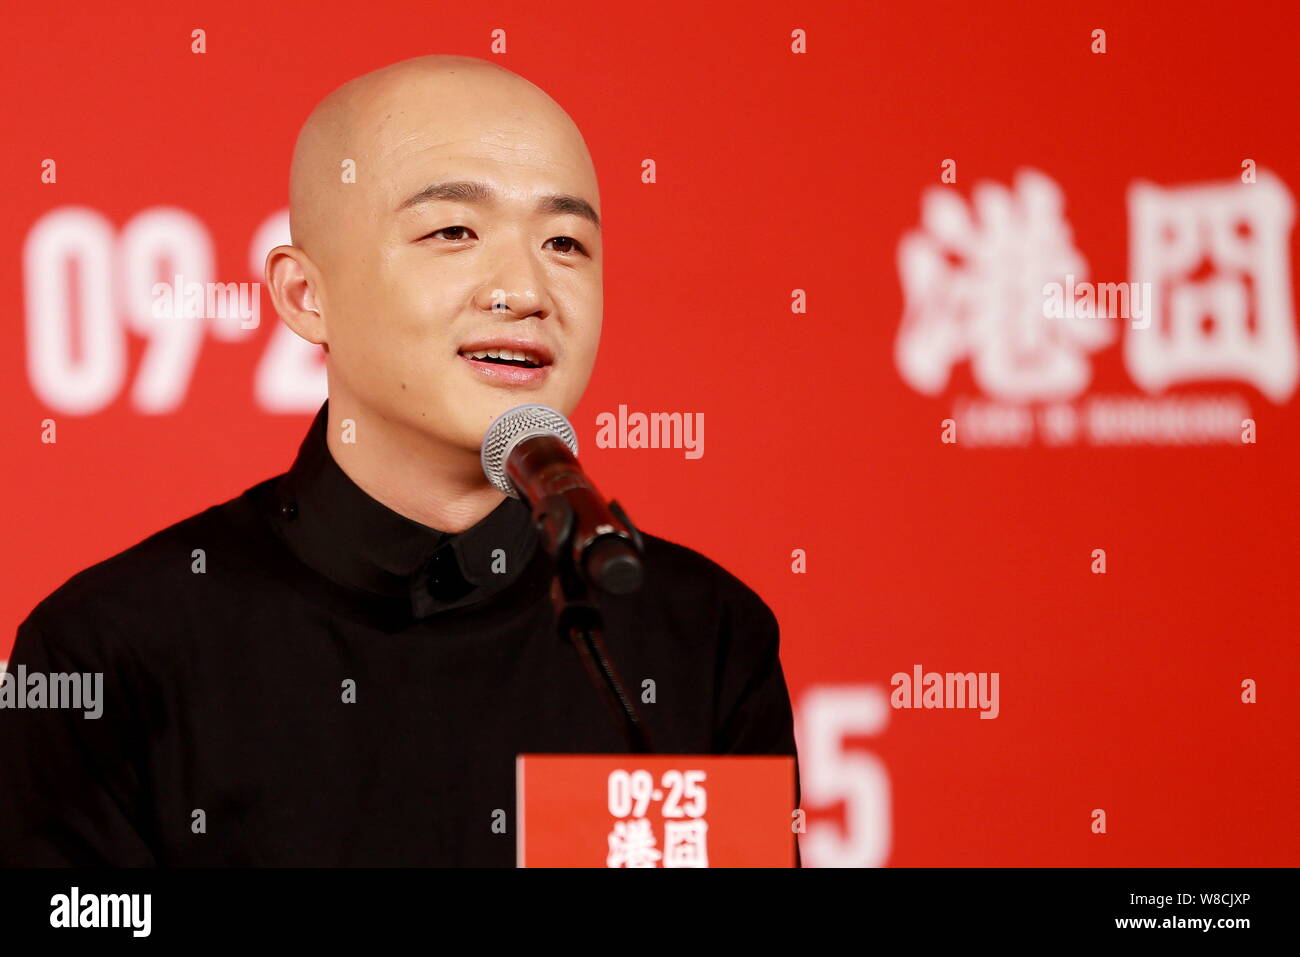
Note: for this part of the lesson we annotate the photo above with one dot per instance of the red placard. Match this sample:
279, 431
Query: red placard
626, 810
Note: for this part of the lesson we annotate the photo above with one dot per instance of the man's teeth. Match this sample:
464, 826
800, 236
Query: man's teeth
502, 354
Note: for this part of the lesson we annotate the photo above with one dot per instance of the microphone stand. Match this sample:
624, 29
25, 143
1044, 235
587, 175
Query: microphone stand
579, 621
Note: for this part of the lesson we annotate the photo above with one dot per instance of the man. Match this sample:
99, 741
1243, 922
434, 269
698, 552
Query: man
339, 666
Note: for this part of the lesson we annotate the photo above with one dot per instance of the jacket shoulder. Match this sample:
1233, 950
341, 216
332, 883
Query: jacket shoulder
683, 573
132, 579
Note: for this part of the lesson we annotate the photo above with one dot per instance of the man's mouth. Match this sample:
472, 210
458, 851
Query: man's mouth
505, 357
508, 362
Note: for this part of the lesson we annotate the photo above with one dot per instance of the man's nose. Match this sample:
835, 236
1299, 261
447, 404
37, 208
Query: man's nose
515, 282
519, 301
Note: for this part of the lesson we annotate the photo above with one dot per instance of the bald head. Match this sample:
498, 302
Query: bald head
358, 142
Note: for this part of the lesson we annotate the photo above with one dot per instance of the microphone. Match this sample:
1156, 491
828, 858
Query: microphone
530, 453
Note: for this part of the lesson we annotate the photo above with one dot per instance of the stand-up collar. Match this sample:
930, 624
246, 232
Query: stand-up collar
356, 541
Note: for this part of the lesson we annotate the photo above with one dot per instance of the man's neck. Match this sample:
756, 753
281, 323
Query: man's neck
439, 487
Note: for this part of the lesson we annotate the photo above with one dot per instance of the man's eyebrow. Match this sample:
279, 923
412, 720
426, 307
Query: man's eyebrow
471, 191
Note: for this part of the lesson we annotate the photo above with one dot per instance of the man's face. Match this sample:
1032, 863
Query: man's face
434, 270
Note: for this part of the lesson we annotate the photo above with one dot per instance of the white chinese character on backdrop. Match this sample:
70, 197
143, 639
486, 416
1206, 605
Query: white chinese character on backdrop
632, 844
973, 287
686, 844
1218, 257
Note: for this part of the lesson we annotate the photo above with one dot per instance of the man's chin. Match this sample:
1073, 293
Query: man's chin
471, 409
489, 402
465, 426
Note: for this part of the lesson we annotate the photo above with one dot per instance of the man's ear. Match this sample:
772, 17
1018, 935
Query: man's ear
293, 281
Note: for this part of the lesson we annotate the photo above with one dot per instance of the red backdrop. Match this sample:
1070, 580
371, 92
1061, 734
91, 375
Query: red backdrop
781, 168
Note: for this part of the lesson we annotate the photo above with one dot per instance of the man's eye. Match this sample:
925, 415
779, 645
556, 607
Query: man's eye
567, 239
451, 229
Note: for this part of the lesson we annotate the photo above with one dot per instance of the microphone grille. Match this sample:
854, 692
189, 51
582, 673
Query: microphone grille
512, 427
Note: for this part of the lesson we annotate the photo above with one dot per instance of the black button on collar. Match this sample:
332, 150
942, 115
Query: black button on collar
441, 578
289, 510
